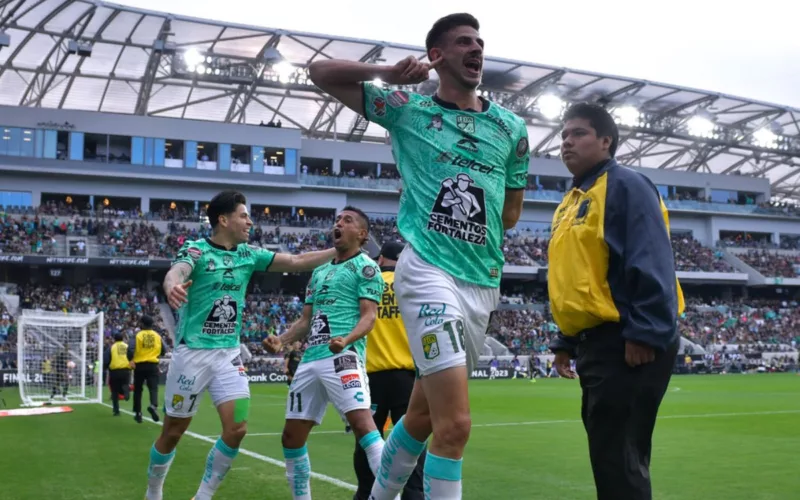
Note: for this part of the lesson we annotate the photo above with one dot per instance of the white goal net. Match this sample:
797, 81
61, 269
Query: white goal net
56, 357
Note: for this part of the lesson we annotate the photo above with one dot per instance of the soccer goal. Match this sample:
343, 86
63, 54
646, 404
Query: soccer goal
56, 356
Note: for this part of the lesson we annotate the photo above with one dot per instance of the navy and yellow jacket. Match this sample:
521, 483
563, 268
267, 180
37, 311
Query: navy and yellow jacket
611, 260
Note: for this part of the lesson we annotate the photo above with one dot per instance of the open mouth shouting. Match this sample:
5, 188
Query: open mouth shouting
473, 66
337, 233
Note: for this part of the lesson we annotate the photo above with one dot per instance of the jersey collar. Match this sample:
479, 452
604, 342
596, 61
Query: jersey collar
450, 105
587, 180
220, 247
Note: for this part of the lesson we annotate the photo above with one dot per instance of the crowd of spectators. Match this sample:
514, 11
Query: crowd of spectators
691, 256
773, 264
26, 235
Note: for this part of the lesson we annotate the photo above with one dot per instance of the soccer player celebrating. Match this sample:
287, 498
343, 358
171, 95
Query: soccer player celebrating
464, 164
340, 309
207, 285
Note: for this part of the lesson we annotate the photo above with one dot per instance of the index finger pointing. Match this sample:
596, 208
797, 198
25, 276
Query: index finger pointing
435, 63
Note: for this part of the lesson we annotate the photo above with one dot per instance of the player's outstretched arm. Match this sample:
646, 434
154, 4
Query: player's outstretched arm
285, 263
176, 283
369, 312
342, 79
298, 331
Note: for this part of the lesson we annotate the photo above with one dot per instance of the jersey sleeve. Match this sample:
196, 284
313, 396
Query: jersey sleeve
383, 107
370, 283
263, 258
189, 253
517, 164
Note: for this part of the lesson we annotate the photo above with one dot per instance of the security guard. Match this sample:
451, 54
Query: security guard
119, 371
144, 355
391, 374
615, 297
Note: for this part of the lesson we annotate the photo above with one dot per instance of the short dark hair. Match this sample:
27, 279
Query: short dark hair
600, 120
147, 321
364, 218
445, 24
224, 203
119, 336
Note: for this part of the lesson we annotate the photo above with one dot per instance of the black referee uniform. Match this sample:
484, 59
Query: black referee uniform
391, 374
145, 352
615, 297
119, 372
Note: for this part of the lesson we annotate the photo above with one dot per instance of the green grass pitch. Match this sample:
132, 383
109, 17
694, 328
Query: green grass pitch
735, 437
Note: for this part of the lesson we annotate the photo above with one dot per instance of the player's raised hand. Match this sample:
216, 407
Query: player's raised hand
410, 71
178, 294
337, 345
272, 344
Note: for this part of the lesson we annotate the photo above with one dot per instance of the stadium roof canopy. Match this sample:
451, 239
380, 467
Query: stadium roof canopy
93, 55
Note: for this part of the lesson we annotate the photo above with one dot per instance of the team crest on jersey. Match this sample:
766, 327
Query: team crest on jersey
221, 319
460, 210
330, 274
397, 99
466, 123
430, 346
368, 272
379, 106
227, 260
211, 266
177, 402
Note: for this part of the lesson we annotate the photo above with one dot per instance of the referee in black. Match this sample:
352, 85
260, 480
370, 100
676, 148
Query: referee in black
615, 298
144, 353
119, 371
391, 374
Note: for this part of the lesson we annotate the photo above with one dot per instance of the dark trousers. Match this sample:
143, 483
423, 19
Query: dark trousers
145, 373
390, 392
619, 410
120, 381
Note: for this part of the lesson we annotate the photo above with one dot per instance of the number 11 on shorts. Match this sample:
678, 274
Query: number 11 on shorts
299, 402
456, 334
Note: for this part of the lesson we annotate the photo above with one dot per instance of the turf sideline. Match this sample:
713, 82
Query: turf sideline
257, 456
544, 422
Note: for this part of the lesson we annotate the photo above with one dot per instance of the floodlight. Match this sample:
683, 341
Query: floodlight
550, 106
627, 115
193, 57
700, 126
284, 70
765, 138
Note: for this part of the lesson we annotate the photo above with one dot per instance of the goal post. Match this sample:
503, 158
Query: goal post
59, 357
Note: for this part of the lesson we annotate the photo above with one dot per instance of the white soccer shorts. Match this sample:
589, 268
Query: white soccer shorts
340, 380
445, 318
192, 371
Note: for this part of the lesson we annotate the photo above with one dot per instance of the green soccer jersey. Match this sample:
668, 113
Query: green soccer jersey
212, 317
456, 166
334, 294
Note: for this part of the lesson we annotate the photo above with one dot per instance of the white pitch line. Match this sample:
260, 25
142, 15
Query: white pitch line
546, 422
257, 456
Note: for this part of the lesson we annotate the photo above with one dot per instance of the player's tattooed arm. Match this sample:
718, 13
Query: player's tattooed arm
176, 283
284, 263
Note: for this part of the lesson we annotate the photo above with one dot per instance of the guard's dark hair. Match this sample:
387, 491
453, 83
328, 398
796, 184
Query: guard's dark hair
600, 120
224, 203
364, 218
147, 321
119, 336
445, 24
